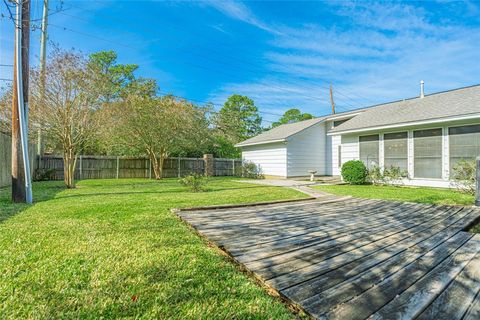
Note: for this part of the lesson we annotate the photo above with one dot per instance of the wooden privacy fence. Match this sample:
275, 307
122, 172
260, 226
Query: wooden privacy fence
6, 159
108, 167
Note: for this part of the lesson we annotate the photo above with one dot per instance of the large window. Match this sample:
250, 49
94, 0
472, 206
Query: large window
427, 153
396, 150
464, 143
369, 150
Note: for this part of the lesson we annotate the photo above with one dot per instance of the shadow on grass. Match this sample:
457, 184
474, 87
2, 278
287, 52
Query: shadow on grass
177, 190
42, 191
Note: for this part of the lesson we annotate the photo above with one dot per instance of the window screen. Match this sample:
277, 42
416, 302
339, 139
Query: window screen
427, 153
396, 150
369, 150
464, 143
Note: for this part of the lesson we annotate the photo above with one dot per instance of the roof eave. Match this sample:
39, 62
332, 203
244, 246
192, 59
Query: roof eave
343, 116
406, 124
239, 145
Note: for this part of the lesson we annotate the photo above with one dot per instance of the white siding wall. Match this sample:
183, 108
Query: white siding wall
271, 158
336, 156
350, 150
329, 158
306, 151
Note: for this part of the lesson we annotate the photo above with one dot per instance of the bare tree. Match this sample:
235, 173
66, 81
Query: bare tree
67, 112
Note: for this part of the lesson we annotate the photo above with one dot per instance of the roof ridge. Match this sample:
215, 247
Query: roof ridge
459, 101
412, 98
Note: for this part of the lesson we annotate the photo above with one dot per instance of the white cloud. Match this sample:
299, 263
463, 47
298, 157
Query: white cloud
239, 11
380, 55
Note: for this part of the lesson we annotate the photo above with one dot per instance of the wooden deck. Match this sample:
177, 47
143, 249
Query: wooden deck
352, 258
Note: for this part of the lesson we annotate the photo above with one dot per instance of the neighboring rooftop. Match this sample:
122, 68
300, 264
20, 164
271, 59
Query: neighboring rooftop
446, 104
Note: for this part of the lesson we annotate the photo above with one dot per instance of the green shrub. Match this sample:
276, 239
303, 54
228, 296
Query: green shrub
251, 170
390, 176
375, 175
464, 176
394, 175
195, 182
354, 172
44, 174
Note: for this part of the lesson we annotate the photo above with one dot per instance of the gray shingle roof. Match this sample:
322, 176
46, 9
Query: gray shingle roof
458, 102
284, 131
280, 133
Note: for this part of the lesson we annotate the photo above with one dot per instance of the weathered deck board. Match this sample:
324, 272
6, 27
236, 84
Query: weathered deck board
355, 258
410, 303
397, 255
457, 298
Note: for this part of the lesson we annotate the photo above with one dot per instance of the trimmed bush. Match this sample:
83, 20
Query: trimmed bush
354, 172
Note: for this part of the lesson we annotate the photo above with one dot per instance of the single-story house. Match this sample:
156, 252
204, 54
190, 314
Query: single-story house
424, 136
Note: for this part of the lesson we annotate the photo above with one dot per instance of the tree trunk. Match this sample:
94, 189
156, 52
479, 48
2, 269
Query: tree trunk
69, 163
157, 164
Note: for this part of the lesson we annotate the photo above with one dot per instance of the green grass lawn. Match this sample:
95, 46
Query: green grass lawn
112, 248
421, 195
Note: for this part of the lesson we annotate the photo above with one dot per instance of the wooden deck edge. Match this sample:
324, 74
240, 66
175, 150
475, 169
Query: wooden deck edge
470, 225
295, 308
241, 205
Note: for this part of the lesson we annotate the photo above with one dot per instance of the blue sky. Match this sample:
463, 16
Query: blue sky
281, 54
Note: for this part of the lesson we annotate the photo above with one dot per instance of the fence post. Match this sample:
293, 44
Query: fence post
81, 167
209, 165
233, 167
118, 165
477, 183
179, 169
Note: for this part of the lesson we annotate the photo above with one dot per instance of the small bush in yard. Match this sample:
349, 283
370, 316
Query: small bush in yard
389, 176
195, 182
464, 176
394, 175
44, 175
354, 172
375, 175
251, 170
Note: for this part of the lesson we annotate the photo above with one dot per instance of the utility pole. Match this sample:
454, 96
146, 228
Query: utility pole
331, 100
43, 58
21, 182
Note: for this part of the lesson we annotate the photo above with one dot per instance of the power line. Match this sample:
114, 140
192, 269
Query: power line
241, 60
163, 94
194, 65
91, 36
202, 67
314, 84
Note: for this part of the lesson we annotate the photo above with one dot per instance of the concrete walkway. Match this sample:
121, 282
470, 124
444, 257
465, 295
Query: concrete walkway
302, 186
